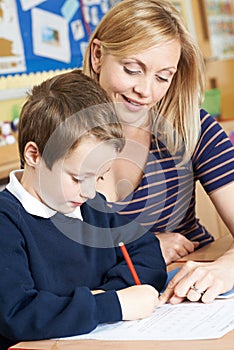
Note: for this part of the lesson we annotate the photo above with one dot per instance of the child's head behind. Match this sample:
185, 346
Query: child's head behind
63, 109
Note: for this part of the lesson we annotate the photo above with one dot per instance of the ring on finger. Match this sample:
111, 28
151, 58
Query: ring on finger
196, 289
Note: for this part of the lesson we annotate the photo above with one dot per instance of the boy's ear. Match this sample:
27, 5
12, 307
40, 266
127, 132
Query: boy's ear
31, 154
96, 55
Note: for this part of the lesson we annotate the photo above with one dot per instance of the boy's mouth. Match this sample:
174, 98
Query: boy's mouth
76, 204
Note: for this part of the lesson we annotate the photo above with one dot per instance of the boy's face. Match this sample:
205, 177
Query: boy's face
74, 178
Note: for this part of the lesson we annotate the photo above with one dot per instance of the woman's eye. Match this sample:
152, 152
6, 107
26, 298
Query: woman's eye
100, 178
162, 79
130, 71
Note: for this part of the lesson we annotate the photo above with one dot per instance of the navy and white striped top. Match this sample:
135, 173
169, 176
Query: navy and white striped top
165, 198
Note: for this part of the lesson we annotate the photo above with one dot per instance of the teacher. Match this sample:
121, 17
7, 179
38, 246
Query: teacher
142, 54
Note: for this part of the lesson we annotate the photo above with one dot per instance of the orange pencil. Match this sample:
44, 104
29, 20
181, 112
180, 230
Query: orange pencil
129, 263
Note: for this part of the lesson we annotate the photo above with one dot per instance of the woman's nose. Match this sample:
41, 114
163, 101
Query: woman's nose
143, 86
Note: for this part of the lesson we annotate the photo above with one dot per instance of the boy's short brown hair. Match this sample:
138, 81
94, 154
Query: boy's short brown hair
68, 107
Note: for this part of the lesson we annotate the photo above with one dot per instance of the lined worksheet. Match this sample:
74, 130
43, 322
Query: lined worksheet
185, 321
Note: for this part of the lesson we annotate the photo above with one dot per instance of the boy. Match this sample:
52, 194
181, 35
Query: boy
62, 272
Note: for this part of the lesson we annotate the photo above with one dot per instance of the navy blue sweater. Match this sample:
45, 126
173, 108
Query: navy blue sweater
49, 266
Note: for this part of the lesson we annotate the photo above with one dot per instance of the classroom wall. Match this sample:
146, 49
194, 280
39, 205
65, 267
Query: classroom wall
219, 71
41, 38
13, 90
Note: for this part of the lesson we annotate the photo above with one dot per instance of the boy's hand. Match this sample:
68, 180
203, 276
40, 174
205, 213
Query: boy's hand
97, 291
137, 301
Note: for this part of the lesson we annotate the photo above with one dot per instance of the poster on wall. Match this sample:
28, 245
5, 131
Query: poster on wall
220, 17
50, 36
28, 4
46, 35
12, 58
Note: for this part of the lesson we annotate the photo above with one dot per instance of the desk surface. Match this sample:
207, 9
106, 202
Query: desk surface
210, 252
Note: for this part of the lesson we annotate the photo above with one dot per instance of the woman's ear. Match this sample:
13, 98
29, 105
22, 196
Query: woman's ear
31, 154
96, 55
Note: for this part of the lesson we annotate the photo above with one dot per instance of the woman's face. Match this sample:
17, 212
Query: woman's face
138, 81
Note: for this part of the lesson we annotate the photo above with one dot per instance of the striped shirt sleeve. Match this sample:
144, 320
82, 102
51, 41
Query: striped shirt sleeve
213, 159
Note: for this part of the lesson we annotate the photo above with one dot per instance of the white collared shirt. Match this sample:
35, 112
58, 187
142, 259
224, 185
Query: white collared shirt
31, 204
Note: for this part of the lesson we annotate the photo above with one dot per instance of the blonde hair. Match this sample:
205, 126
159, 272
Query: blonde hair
132, 26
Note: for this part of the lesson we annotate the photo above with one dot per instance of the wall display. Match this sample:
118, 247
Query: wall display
220, 19
44, 35
12, 58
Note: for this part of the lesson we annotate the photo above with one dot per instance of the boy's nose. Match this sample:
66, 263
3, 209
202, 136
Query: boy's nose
88, 192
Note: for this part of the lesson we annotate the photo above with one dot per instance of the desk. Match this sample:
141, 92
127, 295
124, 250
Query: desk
212, 251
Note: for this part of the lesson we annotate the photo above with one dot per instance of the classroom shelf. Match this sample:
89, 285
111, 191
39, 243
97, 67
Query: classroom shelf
9, 160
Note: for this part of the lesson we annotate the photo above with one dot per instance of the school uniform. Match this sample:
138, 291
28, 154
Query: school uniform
50, 262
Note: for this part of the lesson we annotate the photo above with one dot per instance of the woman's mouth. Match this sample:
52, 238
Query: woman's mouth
133, 102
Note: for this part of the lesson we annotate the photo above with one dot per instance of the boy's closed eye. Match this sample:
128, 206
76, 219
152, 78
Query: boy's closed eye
77, 180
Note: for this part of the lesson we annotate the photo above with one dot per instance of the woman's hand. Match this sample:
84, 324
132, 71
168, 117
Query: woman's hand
175, 246
137, 301
199, 281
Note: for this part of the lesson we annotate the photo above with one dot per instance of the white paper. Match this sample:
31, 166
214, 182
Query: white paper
50, 35
12, 58
185, 321
28, 4
77, 30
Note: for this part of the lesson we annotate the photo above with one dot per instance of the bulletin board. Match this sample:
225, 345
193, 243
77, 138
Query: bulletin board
220, 31
45, 35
